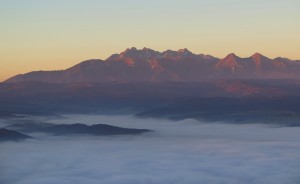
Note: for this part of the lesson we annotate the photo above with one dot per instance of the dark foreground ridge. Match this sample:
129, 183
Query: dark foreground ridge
11, 135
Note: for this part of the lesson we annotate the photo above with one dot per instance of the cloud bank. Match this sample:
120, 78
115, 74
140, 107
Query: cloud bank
177, 152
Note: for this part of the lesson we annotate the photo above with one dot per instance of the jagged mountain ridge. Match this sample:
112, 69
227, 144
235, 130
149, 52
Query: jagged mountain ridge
133, 65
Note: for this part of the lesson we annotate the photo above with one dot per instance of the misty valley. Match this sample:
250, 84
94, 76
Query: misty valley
184, 151
144, 116
233, 131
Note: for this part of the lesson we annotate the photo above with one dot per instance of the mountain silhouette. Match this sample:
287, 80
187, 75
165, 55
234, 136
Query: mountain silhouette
133, 65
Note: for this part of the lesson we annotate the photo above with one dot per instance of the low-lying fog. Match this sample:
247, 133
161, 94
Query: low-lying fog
184, 152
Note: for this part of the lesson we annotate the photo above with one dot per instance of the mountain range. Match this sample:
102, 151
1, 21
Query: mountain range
133, 65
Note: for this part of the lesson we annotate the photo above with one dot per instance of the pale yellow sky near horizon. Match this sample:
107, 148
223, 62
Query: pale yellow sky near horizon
57, 34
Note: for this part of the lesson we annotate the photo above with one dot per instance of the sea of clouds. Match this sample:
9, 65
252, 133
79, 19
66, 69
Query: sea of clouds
182, 152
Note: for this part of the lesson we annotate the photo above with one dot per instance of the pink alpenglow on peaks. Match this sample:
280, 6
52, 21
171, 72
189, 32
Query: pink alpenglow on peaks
142, 65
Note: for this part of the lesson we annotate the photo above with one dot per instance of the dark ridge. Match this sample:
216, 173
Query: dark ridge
11, 135
271, 101
77, 129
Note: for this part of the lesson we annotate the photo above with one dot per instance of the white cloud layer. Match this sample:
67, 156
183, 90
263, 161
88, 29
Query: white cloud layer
176, 153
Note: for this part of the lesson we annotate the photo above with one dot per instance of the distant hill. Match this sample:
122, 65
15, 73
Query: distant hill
11, 135
76, 129
146, 65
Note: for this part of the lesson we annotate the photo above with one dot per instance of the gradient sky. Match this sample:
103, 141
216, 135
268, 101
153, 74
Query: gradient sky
56, 34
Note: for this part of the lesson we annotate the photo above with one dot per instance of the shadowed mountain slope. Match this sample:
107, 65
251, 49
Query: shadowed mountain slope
273, 101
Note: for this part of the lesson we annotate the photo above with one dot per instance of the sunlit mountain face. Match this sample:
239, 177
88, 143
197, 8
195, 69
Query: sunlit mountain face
147, 65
